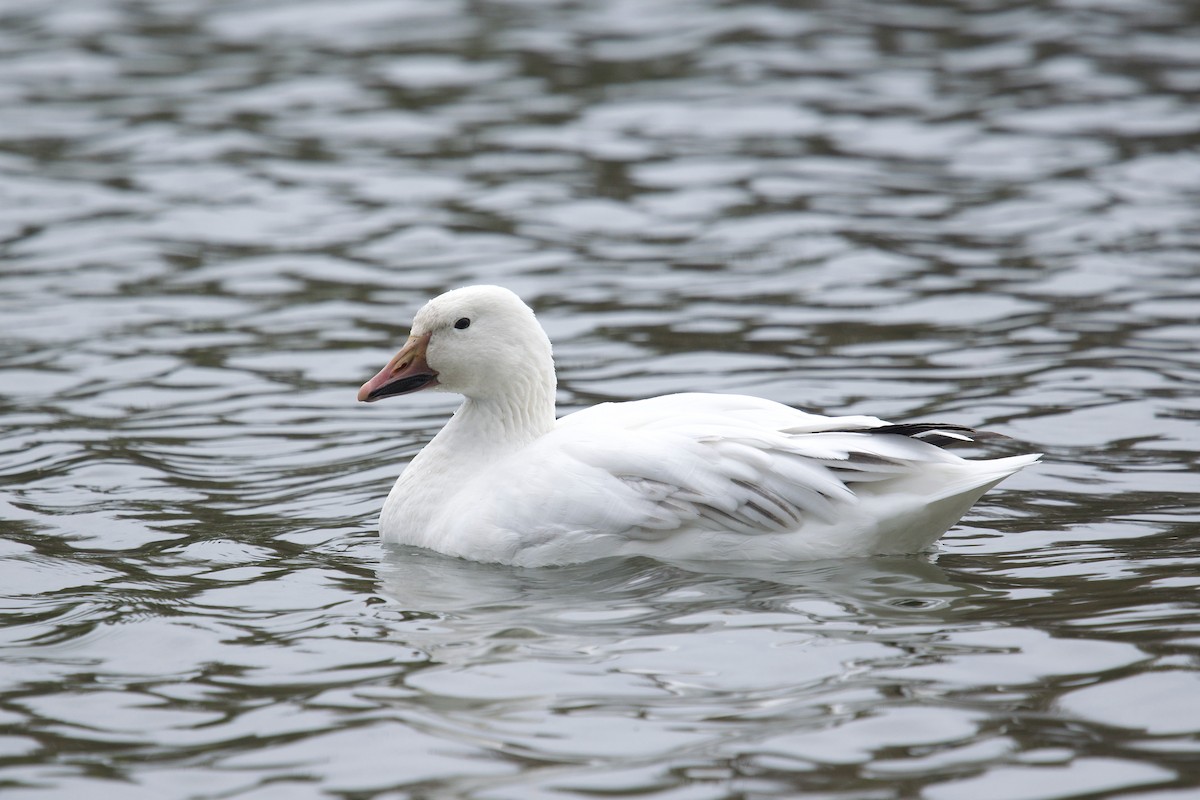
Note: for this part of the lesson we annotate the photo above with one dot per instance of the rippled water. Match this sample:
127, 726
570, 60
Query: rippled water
217, 218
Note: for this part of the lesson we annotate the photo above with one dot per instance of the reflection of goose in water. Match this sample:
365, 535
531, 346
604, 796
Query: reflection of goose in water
629, 661
632, 613
902, 588
685, 476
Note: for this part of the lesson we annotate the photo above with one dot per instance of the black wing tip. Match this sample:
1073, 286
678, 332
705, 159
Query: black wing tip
937, 434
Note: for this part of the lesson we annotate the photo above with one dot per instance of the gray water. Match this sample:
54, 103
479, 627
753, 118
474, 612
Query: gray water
217, 218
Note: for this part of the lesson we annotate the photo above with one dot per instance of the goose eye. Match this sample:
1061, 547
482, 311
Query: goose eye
463, 323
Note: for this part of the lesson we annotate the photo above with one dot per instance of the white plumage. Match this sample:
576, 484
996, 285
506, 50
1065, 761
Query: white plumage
683, 476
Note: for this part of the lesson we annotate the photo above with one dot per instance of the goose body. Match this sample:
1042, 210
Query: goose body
684, 476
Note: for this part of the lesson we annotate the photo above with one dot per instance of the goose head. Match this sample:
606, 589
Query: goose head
482, 342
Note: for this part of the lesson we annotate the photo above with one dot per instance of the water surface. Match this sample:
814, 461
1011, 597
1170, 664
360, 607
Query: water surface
217, 218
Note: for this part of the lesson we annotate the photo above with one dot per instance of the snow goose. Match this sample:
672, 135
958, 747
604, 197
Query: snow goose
683, 476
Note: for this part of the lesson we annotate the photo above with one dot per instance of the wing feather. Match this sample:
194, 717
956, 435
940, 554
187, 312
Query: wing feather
647, 469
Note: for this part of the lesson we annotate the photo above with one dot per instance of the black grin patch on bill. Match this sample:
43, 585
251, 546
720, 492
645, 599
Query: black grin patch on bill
402, 386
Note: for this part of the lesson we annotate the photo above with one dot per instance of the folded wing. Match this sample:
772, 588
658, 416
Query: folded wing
731, 464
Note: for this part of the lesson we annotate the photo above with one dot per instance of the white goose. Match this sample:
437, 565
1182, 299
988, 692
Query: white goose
683, 476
